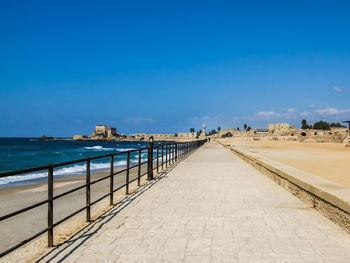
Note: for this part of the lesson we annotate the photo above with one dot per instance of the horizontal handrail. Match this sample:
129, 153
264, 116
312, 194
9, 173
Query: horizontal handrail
165, 154
24, 171
55, 165
20, 211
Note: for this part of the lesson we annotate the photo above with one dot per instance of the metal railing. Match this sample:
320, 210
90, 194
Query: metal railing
165, 155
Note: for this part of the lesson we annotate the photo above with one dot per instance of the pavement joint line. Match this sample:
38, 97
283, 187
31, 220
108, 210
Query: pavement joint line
213, 207
329, 204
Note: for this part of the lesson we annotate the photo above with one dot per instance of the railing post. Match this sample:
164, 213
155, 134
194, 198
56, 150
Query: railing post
150, 159
162, 156
176, 149
139, 170
50, 206
111, 182
166, 156
88, 193
173, 153
157, 159
170, 153
127, 173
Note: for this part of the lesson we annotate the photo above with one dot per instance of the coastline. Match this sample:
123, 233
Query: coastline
28, 223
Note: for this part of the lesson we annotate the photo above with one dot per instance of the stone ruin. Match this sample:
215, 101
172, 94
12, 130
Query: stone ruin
335, 135
101, 132
286, 132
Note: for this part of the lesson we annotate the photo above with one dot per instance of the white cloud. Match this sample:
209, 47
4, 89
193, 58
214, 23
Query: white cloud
331, 111
292, 115
327, 111
266, 114
337, 89
305, 114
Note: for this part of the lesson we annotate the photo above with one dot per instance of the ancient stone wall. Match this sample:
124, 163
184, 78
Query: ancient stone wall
186, 135
334, 208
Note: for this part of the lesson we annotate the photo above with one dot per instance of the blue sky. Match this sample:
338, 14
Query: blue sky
167, 66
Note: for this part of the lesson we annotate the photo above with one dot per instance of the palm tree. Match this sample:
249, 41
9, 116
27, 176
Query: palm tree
304, 125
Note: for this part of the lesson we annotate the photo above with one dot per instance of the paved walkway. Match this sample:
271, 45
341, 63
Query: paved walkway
212, 207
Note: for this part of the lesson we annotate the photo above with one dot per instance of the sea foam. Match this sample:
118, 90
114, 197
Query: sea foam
98, 148
65, 171
124, 149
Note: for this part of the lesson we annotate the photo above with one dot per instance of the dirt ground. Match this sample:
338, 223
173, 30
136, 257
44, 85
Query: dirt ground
330, 161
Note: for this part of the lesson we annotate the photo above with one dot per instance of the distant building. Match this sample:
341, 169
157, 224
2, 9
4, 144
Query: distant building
80, 137
156, 137
203, 134
262, 130
278, 126
104, 131
188, 135
101, 132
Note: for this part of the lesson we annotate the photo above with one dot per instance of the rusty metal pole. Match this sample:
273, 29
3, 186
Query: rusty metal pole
162, 156
50, 206
139, 170
111, 182
150, 159
166, 156
176, 149
88, 193
127, 173
158, 160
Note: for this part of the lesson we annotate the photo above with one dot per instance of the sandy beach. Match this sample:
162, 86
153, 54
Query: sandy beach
327, 160
24, 225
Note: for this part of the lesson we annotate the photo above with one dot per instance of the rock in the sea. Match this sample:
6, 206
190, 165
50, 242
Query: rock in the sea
45, 138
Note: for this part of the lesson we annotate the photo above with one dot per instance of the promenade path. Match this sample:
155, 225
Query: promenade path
212, 207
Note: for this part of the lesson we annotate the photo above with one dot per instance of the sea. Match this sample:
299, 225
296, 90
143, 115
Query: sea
23, 153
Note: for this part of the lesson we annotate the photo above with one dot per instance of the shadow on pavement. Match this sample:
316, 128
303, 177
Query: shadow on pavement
68, 247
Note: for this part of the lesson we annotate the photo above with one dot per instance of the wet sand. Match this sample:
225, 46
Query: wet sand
330, 161
22, 226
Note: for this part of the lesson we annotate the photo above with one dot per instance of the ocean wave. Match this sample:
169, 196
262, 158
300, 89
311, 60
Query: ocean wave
98, 148
65, 171
101, 148
19, 178
124, 149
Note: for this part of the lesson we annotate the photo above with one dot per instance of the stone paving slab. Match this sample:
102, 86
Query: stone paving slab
212, 207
